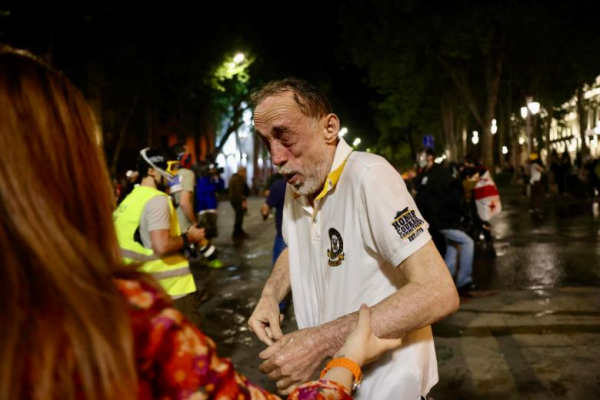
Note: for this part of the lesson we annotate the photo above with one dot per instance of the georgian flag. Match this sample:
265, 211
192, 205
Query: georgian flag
487, 198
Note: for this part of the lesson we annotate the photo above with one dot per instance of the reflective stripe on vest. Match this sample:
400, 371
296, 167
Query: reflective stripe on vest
172, 273
172, 270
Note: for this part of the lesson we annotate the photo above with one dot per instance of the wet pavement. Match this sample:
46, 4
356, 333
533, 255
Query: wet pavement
530, 331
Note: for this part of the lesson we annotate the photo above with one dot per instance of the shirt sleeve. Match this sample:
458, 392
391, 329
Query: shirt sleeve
187, 179
392, 226
158, 213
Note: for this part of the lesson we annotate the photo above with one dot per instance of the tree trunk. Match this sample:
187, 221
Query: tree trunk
234, 124
448, 105
121, 138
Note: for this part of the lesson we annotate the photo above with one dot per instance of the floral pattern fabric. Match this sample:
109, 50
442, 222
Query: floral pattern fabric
176, 361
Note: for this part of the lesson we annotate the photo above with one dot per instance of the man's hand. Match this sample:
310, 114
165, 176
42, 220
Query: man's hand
362, 345
195, 235
294, 358
265, 320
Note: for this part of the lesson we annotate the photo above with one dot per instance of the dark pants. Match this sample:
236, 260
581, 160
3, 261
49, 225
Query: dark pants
239, 216
188, 305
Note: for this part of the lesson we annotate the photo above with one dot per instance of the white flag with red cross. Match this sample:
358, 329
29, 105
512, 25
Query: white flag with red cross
487, 198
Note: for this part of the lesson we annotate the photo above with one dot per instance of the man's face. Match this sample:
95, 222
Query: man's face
159, 180
297, 143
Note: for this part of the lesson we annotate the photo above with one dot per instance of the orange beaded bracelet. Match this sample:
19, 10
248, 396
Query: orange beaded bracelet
347, 363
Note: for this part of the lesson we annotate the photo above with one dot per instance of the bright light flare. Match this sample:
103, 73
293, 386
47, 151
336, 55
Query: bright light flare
239, 57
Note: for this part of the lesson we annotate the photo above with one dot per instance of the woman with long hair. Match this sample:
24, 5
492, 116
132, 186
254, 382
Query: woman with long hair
76, 323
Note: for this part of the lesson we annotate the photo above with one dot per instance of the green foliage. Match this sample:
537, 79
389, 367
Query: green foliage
229, 70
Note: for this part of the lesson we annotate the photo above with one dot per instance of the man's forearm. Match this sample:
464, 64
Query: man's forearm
428, 296
278, 284
172, 244
187, 207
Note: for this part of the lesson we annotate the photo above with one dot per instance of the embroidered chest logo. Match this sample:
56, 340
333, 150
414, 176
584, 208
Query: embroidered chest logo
408, 225
336, 251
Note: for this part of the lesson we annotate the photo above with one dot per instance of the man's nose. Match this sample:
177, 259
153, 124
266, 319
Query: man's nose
278, 155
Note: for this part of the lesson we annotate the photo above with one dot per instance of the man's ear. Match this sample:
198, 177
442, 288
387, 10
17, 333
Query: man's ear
331, 126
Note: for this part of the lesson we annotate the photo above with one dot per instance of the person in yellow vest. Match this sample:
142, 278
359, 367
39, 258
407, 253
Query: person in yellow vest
148, 232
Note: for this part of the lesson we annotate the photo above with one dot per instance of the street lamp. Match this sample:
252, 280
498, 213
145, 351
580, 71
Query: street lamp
523, 112
533, 107
494, 127
239, 57
475, 138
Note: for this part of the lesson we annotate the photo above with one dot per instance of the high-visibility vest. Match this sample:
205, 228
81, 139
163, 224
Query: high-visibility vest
171, 270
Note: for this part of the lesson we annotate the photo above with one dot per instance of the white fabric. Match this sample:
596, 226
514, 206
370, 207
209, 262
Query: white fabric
536, 174
362, 207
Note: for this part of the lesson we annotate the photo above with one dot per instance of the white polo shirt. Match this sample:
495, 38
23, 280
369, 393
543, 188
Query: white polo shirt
345, 252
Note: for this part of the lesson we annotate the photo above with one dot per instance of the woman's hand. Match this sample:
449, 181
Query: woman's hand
362, 345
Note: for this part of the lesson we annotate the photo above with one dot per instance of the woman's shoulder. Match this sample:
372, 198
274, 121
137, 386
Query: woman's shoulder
142, 295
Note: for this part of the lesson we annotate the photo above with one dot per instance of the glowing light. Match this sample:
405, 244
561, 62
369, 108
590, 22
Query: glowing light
368, 149
597, 130
475, 134
475, 139
523, 112
591, 93
494, 122
504, 150
521, 140
239, 57
534, 107
343, 132
438, 160
494, 129
356, 142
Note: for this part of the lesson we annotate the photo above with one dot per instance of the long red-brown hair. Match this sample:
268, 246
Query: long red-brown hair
64, 328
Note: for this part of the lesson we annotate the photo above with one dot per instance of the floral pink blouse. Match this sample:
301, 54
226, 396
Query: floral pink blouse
175, 360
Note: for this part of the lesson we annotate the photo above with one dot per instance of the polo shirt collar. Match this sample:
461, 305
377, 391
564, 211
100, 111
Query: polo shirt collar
342, 152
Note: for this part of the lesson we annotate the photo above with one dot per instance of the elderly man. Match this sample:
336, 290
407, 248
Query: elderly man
355, 236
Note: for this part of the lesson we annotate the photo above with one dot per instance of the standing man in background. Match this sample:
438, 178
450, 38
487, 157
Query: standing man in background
182, 188
238, 193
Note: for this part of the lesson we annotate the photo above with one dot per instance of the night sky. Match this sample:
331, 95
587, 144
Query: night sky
295, 39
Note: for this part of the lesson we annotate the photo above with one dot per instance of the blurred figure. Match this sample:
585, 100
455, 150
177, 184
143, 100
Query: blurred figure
238, 193
439, 197
208, 184
536, 169
76, 322
276, 199
471, 174
565, 165
592, 166
181, 187
148, 231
